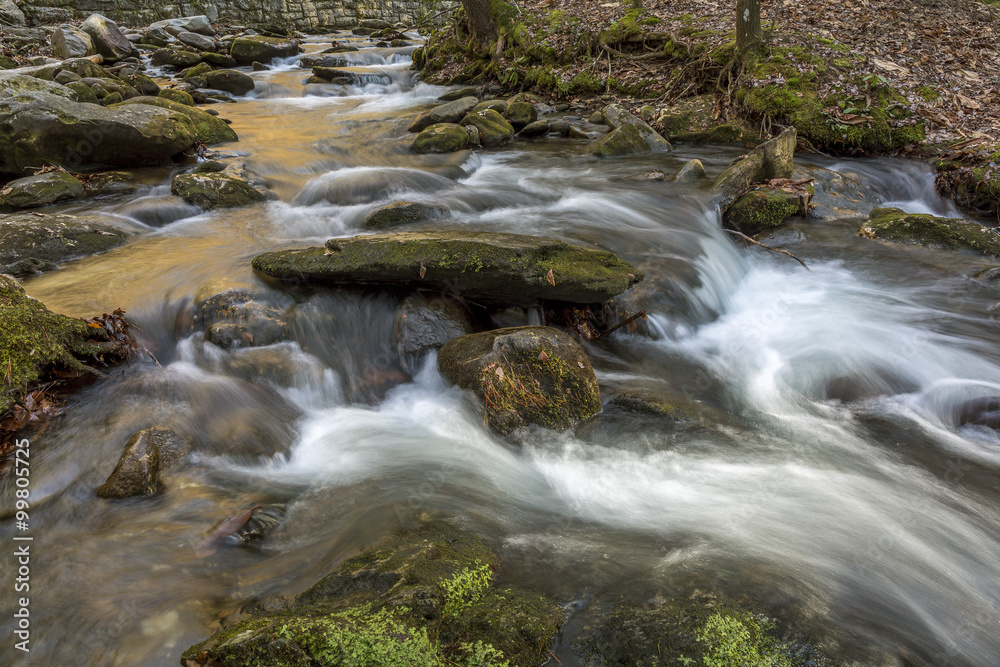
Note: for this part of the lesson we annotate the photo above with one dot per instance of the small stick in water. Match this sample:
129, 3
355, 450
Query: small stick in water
627, 320
767, 247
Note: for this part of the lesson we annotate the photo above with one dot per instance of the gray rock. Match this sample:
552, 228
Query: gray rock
240, 318
623, 140
228, 188
70, 42
147, 453
323, 60
772, 159
560, 126
459, 94
218, 59
399, 213
262, 49
200, 42
615, 116
10, 14
230, 81
40, 190
423, 324
32, 243
892, 225
174, 58
157, 37
451, 112
537, 129
691, 172
501, 269
66, 77
108, 39
199, 24
524, 375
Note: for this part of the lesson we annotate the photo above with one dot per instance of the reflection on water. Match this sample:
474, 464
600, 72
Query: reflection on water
823, 466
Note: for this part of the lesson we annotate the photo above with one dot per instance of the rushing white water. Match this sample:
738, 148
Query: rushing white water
823, 464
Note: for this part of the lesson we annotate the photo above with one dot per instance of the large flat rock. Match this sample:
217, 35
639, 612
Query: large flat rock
506, 269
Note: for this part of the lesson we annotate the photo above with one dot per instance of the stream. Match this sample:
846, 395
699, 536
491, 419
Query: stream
822, 470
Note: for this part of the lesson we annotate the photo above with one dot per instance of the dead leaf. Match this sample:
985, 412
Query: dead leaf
542, 356
969, 103
890, 66
211, 545
423, 270
551, 278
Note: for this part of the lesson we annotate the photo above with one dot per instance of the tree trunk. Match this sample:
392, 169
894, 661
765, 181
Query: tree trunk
481, 19
748, 32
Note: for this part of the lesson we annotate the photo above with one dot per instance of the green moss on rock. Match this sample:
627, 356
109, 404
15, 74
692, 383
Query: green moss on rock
209, 129
399, 213
765, 208
892, 225
506, 269
494, 130
407, 601
623, 140
32, 243
215, 190
441, 138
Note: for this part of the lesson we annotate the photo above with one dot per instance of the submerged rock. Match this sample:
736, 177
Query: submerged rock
505, 269
147, 453
44, 128
209, 190
399, 213
441, 138
524, 375
409, 600
452, 112
892, 225
238, 318
648, 403
31, 243
34, 191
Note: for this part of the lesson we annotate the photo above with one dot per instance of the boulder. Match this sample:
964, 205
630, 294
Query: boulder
423, 324
7, 62
40, 190
892, 225
229, 81
175, 95
198, 70
70, 42
43, 128
494, 130
199, 42
262, 49
239, 318
174, 58
111, 183
459, 94
771, 159
31, 243
762, 209
441, 138
524, 375
10, 14
503, 269
218, 59
426, 596
623, 140
615, 116
146, 454
208, 129
399, 213
12, 86
537, 129
452, 112
199, 24
35, 343
323, 60
500, 106
521, 114
157, 37
692, 172
84, 94
224, 189
108, 39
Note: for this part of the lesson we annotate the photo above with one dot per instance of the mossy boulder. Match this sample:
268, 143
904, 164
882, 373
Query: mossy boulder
424, 597
648, 403
245, 50
615, 117
503, 269
524, 375
218, 59
35, 342
399, 213
892, 225
520, 114
441, 138
39, 128
494, 130
178, 96
32, 243
12, 86
451, 112
765, 208
623, 140
175, 58
192, 74
111, 183
972, 181
771, 159
208, 128
34, 191
230, 81
215, 190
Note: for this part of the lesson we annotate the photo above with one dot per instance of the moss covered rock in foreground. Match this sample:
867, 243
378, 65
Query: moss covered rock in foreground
34, 341
504, 269
763, 209
424, 597
892, 225
524, 375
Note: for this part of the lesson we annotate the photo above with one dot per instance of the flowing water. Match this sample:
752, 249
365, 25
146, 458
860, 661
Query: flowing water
823, 470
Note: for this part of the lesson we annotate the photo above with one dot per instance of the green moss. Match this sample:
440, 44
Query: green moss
210, 130
762, 209
928, 93
740, 641
892, 225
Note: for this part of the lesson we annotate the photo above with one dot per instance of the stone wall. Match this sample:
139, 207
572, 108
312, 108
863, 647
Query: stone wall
305, 15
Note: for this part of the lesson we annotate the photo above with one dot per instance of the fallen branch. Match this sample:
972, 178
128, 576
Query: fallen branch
767, 247
625, 322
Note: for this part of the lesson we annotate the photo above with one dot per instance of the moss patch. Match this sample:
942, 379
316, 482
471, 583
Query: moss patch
892, 225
